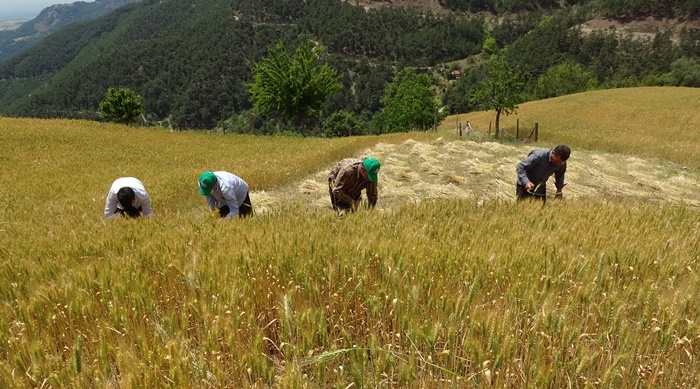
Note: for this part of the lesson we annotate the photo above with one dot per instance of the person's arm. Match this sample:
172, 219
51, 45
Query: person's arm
211, 202
372, 194
559, 180
111, 205
522, 168
146, 204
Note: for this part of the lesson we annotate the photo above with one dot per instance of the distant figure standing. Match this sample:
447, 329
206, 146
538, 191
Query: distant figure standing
128, 197
535, 170
468, 127
347, 180
227, 192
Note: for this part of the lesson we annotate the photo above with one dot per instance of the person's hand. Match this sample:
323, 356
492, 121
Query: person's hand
529, 186
559, 196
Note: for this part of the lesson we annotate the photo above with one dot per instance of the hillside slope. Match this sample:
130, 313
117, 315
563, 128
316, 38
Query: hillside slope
448, 282
50, 20
651, 122
191, 61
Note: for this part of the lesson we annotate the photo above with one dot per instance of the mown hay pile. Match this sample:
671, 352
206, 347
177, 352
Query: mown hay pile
414, 171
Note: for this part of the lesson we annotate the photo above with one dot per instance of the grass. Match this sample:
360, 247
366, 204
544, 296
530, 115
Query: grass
651, 122
440, 293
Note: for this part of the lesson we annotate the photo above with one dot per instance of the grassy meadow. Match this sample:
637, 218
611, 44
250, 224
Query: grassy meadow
444, 292
652, 122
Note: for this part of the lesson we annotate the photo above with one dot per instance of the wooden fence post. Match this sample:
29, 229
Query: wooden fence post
536, 131
460, 129
435, 115
517, 129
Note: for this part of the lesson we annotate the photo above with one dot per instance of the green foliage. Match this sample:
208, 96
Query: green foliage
684, 72
405, 36
500, 89
642, 8
408, 103
490, 47
620, 59
293, 86
343, 123
551, 42
121, 105
191, 63
511, 29
457, 94
689, 44
503, 6
567, 78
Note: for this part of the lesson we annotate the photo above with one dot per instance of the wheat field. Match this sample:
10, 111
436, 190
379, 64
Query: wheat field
448, 283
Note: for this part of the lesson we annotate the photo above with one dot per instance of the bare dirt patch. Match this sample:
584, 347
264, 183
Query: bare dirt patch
415, 171
642, 29
424, 6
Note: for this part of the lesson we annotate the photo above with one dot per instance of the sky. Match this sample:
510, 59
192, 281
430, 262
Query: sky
26, 9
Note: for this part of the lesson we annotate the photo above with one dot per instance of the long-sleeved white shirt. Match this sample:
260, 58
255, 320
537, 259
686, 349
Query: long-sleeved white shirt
142, 199
230, 190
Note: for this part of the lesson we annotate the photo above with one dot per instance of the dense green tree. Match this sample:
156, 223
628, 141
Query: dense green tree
409, 103
489, 47
122, 105
643, 8
566, 78
457, 95
684, 72
552, 42
365, 83
500, 89
293, 86
689, 44
343, 123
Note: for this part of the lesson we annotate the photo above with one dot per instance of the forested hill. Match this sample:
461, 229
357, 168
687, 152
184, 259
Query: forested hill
191, 59
52, 19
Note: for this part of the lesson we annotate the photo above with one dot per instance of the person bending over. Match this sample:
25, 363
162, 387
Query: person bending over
347, 180
226, 192
128, 197
534, 171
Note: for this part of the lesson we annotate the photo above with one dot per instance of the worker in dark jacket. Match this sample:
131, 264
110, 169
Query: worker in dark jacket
535, 170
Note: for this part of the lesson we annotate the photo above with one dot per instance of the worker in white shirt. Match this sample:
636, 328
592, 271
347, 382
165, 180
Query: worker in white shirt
128, 197
227, 192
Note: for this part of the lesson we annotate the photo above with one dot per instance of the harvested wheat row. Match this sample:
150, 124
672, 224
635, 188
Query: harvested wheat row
412, 171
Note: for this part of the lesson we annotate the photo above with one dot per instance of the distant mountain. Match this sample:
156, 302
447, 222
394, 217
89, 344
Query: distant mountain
51, 19
190, 60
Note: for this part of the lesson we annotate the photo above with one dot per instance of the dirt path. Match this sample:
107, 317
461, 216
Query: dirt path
643, 28
413, 171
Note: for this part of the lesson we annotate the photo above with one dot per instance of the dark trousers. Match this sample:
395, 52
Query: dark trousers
129, 212
338, 204
245, 210
522, 194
